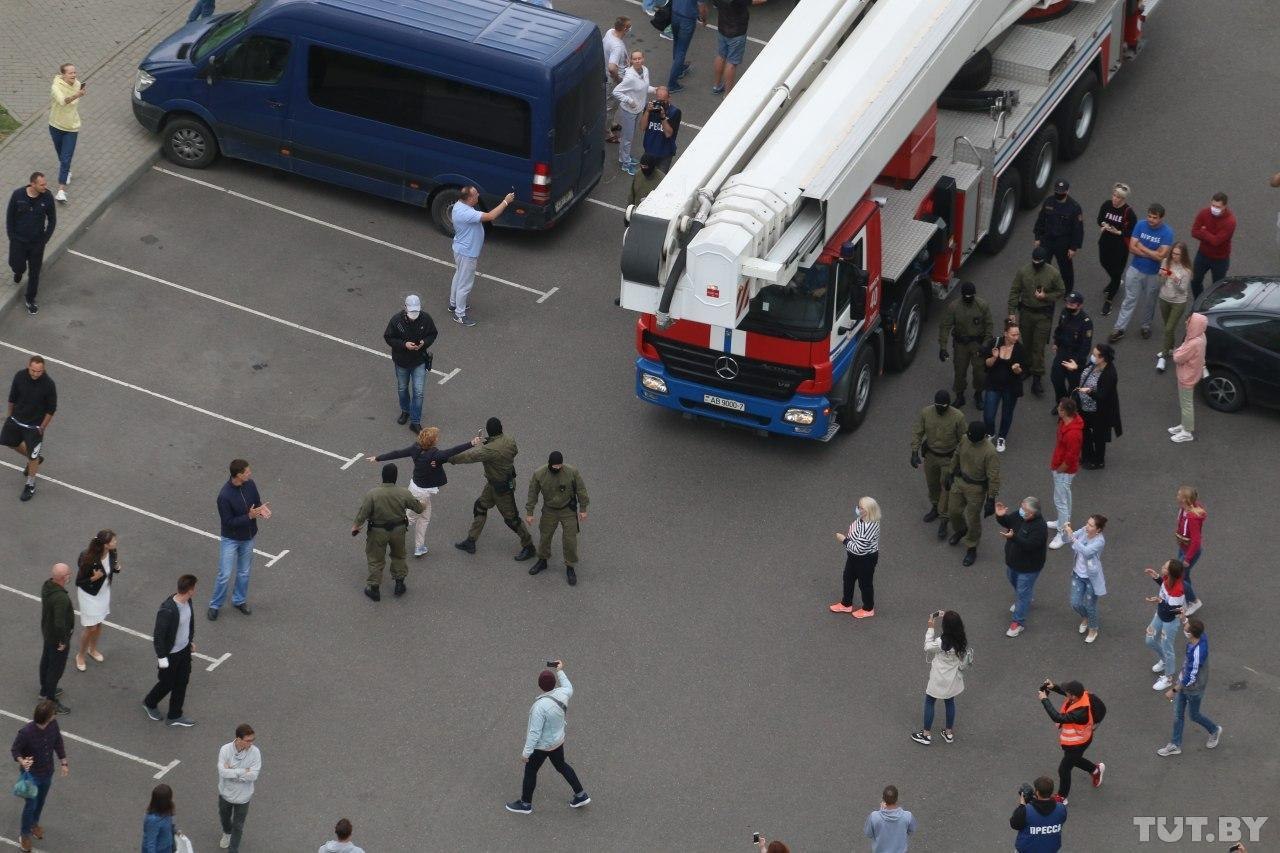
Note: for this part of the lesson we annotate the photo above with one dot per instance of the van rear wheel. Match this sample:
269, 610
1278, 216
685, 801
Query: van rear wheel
441, 205
189, 142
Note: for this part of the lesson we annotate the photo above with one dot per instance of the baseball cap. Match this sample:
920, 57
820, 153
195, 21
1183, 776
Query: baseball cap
1074, 296
1061, 185
412, 302
1040, 253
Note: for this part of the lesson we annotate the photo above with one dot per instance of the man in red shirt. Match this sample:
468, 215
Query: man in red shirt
1064, 465
1213, 227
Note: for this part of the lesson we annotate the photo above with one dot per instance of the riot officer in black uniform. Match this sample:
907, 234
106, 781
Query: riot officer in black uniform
1060, 229
1072, 341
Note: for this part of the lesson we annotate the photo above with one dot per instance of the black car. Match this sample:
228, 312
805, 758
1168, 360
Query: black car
1243, 337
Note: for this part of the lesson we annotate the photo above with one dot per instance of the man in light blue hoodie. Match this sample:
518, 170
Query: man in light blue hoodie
889, 825
545, 739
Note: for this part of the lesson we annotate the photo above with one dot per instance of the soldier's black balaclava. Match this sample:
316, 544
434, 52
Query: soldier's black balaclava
555, 460
493, 426
977, 431
941, 401
390, 472
968, 291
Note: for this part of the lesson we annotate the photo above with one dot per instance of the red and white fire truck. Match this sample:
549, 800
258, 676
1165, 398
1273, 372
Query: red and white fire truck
874, 145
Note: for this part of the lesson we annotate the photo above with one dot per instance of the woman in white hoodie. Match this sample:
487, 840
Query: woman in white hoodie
633, 97
950, 655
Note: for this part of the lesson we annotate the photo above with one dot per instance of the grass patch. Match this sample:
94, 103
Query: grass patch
8, 124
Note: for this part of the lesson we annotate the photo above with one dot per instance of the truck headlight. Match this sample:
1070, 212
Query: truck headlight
142, 82
653, 383
804, 417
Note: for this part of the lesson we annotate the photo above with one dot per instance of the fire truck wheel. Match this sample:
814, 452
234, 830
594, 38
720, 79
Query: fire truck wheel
1077, 116
861, 378
1037, 165
908, 328
1003, 212
441, 207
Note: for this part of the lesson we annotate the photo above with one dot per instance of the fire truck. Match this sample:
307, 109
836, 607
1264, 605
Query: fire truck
794, 250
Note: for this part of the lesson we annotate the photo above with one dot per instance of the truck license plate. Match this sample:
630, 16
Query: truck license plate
723, 403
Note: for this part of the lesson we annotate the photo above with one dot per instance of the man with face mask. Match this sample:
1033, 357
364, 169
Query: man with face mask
1060, 229
564, 504
972, 483
646, 180
1036, 287
1072, 341
968, 323
938, 432
410, 333
1213, 227
498, 457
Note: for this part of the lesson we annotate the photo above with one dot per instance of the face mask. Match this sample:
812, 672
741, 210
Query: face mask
1093, 359
1059, 196
941, 409
968, 300
1037, 264
857, 512
412, 315
1022, 512
1215, 210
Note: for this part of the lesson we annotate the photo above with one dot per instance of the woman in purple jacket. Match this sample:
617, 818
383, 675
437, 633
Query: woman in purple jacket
33, 749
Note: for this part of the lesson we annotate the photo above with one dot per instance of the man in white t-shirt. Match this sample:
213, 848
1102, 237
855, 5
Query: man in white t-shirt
468, 238
615, 62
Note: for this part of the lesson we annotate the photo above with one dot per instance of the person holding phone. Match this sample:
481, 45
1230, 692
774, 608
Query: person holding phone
1169, 603
64, 122
239, 508
410, 334
1006, 361
1175, 290
544, 738
949, 655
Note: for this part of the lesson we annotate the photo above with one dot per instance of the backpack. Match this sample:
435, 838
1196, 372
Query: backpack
661, 17
1099, 709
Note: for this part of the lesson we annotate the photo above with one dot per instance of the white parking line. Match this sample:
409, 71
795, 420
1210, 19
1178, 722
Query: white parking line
606, 204
162, 768
709, 26
213, 662
182, 403
542, 293
13, 843
187, 527
255, 312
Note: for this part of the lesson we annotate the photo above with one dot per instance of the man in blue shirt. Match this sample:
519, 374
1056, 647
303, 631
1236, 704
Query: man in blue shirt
468, 238
1149, 245
661, 128
685, 17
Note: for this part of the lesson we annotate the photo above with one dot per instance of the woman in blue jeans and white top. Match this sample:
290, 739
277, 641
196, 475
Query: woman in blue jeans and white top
1004, 358
1164, 625
1087, 580
948, 649
862, 552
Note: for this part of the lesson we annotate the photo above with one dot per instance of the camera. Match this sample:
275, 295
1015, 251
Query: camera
755, 838
1045, 685
552, 663
1026, 793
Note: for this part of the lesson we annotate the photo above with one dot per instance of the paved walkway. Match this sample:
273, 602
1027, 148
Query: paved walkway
106, 39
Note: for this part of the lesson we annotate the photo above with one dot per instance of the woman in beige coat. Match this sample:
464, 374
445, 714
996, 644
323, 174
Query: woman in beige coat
950, 655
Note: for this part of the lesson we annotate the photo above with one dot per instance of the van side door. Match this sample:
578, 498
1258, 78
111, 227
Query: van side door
249, 84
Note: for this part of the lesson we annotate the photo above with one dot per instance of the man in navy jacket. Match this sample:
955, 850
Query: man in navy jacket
239, 508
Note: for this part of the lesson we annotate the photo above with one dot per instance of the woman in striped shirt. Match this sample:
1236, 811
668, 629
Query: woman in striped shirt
1164, 625
862, 546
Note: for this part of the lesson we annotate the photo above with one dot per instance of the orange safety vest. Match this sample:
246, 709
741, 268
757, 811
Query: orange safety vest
1076, 734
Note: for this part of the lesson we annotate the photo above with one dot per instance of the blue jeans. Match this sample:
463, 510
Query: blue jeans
993, 400
201, 9
1084, 600
33, 807
237, 553
1186, 572
1180, 702
949, 704
682, 30
1160, 640
1024, 587
64, 142
405, 377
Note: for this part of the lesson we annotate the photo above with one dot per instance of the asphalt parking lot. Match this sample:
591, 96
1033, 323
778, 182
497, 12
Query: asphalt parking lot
238, 312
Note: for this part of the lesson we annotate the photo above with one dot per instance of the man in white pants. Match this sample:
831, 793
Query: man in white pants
633, 94
468, 238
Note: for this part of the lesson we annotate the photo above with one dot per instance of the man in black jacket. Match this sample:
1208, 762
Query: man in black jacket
410, 333
1080, 713
1026, 544
29, 222
174, 641
57, 621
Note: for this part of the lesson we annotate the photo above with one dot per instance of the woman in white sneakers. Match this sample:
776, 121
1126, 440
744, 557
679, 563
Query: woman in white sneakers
633, 96
1175, 290
1087, 580
950, 655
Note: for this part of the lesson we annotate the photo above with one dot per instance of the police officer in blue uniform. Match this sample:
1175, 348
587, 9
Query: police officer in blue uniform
1060, 229
1072, 341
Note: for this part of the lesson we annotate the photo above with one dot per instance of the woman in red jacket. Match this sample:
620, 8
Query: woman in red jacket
1064, 465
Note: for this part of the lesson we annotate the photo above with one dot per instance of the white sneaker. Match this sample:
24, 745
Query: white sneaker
1057, 542
1182, 436
1169, 749
61, 196
1164, 682
1013, 607
225, 841
1213, 738
1084, 626
1159, 667
1174, 430
68, 179
1160, 364
1052, 525
999, 445
1015, 629
1091, 636
418, 552
1194, 606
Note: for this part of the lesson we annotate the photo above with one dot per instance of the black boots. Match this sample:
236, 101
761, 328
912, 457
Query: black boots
931, 515
373, 593
942, 529
1036, 387
400, 587
526, 553
970, 557
537, 567
570, 575
959, 400
957, 536
468, 545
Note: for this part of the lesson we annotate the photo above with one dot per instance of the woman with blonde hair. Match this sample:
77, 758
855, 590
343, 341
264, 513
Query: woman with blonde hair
1175, 292
1116, 220
428, 477
862, 551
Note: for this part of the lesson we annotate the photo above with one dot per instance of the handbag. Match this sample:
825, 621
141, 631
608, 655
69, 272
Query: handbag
25, 787
661, 17
182, 844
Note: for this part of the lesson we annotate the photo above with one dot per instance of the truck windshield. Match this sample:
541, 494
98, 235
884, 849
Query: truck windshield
218, 35
797, 310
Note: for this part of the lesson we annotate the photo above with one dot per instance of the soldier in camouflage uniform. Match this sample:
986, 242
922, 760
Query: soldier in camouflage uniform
967, 322
564, 504
938, 432
1036, 288
973, 483
383, 511
497, 455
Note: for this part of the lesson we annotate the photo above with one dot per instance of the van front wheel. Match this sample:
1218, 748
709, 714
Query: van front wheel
441, 208
189, 142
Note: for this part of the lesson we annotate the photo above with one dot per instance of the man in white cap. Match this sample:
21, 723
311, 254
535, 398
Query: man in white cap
410, 334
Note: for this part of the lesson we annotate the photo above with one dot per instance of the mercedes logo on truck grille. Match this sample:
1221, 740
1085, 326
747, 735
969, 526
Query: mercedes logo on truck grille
726, 367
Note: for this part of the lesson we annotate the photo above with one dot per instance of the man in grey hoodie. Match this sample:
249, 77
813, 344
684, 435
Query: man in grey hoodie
889, 825
342, 841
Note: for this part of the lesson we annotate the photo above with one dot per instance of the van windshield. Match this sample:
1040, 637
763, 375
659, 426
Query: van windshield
219, 35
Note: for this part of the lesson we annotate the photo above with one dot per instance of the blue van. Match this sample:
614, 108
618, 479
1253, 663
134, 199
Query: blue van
408, 99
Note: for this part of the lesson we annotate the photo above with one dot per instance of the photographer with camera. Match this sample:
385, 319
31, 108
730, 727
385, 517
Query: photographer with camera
1038, 818
1079, 715
661, 128
545, 738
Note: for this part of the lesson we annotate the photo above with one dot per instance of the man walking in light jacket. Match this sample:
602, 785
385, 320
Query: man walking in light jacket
545, 738
239, 764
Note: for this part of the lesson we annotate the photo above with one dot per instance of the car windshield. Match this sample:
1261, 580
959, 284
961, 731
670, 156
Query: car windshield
1233, 294
219, 34
796, 310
